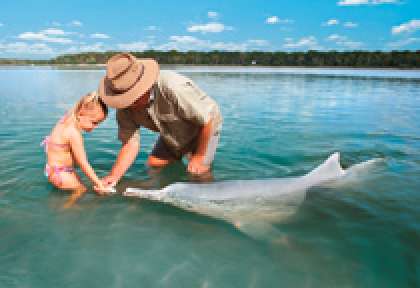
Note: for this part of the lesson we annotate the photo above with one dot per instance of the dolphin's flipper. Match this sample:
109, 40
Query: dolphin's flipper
258, 230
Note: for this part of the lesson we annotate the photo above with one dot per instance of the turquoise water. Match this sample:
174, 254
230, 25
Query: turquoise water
277, 123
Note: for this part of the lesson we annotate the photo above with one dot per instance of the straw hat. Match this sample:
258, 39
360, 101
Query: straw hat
127, 79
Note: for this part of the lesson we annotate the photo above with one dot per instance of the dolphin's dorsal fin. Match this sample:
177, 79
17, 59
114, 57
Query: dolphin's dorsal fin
329, 170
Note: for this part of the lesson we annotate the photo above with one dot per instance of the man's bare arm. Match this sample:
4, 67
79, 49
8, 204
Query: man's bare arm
125, 159
196, 165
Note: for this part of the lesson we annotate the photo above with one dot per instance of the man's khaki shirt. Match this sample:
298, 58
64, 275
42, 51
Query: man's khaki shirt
178, 111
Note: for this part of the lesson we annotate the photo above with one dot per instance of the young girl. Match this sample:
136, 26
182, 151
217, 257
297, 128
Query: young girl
64, 146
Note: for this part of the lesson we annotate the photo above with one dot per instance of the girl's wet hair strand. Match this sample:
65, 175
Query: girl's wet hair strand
90, 98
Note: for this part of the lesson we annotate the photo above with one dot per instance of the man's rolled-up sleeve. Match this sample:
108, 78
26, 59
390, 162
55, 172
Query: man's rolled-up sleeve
127, 128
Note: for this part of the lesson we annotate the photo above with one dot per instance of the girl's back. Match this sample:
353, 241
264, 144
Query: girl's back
58, 148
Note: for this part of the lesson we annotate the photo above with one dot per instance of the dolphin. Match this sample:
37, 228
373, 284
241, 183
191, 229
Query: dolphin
252, 206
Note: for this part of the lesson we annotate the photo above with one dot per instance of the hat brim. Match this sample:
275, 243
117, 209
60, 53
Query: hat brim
125, 99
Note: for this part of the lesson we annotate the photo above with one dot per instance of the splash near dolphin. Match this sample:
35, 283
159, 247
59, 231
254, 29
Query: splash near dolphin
250, 205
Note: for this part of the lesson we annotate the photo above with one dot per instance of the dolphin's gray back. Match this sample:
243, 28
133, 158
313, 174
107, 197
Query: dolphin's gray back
234, 189
329, 170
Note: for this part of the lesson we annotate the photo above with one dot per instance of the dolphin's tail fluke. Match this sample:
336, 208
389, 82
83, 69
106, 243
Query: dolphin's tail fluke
327, 171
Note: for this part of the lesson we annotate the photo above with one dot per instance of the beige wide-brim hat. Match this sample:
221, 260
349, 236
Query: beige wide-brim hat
127, 79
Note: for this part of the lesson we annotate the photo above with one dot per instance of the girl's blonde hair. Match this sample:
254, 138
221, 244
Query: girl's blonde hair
88, 101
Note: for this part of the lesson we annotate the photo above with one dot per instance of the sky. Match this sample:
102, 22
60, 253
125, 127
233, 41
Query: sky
44, 29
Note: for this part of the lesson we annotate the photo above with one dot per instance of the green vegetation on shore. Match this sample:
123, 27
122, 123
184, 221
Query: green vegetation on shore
392, 59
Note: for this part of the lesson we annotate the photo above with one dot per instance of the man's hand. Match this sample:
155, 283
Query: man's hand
196, 166
126, 157
106, 185
109, 180
103, 190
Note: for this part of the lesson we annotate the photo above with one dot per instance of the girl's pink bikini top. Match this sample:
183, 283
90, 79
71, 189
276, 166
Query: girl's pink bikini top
47, 142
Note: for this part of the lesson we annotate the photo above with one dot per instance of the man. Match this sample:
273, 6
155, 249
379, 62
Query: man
188, 121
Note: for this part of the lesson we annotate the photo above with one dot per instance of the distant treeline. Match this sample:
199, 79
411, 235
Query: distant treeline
395, 59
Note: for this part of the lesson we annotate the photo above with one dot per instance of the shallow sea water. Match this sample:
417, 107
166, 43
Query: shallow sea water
278, 122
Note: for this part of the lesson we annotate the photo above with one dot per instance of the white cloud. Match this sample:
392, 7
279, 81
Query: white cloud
76, 23
331, 22
228, 46
408, 27
99, 36
213, 27
286, 21
183, 39
1, 24
272, 20
31, 36
44, 36
336, 37
352, 2
350, 24
384, 1
344, 41
95, 47
258, 42
404, 42
133, 46
58, 40
26, 49
276, 20
309, 42
212, 15
188, 43
365, 2
183, 43
335, 22
151, 28
53, 31
99, 46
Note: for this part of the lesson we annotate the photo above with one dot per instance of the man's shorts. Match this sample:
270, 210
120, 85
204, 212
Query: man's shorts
163, 151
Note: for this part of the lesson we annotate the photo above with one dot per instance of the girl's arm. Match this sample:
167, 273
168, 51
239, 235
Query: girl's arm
79, 154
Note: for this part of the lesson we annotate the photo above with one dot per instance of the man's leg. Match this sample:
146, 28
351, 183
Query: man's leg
161, 155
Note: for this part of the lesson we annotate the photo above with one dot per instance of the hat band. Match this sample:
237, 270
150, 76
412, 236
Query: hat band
122, 90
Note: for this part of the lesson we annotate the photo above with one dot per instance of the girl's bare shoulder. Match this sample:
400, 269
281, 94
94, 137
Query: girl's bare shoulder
71, 131
64, 131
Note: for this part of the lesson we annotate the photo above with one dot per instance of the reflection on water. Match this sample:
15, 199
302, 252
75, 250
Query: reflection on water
277, 123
